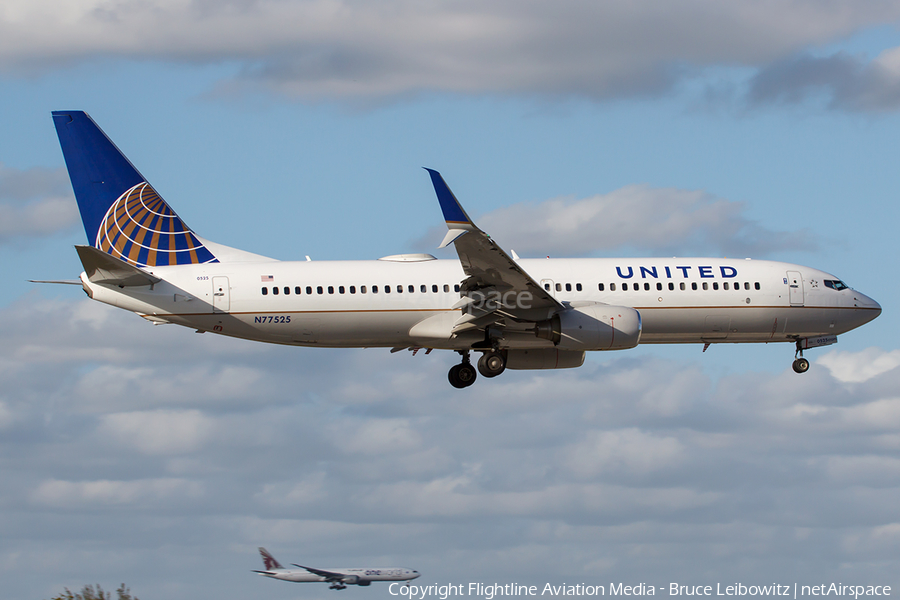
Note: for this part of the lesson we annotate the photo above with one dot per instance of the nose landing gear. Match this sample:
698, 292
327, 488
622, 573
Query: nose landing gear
800, 365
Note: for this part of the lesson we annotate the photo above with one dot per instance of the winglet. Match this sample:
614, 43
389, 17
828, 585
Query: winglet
454, 214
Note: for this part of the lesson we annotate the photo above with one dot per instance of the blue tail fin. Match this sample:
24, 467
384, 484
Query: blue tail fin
122, 214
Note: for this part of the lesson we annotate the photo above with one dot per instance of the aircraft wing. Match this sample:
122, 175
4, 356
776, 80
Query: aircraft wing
328, 575
489, 270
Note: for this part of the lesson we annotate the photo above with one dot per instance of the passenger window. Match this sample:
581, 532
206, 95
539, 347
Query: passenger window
715, 285
434, 289
330, 289
682, 286
423, 288
265, 291
319, 289
671, 287
558, 287
746, 285
705, 286
341, 289
756, 285
725, 286
352, 289
297, 290
387, 289
612, 287
600, 286
456, 287
568, 287
362, 289
374, 289
275, 291
577, 287
287, 291
399, 289
446, 289
646, 287
412, 289
694, 285
658, 286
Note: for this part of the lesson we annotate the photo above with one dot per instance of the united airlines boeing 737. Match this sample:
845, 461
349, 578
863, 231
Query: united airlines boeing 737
517, 313
339, 578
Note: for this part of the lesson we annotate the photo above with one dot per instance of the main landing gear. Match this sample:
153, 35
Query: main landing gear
462, 375
800, 365
490, 364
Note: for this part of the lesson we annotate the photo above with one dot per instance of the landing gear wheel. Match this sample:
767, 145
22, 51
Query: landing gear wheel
801, 365
491, 364
462, 375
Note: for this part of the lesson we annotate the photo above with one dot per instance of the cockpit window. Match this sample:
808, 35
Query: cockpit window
836, 284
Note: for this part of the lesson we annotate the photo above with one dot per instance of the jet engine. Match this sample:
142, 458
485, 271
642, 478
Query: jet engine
592, 327
543, 358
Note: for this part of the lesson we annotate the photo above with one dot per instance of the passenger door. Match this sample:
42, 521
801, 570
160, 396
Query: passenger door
795, 287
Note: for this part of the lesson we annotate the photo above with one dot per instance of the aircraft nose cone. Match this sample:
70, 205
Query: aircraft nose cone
871, 306
870, 303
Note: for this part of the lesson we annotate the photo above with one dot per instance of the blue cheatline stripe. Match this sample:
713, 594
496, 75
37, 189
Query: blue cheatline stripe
453, 212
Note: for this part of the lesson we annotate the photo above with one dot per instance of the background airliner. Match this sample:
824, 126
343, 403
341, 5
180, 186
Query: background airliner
339, 578
518, 313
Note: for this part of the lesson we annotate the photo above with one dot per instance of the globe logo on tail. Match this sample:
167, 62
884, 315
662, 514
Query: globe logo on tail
141, 229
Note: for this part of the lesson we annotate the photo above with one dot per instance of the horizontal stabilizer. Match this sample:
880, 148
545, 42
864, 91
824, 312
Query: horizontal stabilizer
104, 268
57, 281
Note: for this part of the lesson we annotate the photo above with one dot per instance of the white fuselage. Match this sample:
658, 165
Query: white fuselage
352, 576
389, 303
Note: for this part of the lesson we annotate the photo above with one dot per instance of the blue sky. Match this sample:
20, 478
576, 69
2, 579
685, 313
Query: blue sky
150, 454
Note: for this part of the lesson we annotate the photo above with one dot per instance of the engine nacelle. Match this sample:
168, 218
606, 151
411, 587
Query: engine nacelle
543, 358
593, 327
352, 580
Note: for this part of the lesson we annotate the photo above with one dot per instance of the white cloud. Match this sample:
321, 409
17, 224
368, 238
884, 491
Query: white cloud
841, 81
6, 416
856, 367
627, 450
672, 470
379, 436
95, 494
158, 432
325, 49
659, 221
34, 202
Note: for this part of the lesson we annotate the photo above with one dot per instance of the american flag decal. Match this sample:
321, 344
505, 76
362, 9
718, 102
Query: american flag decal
265, 278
